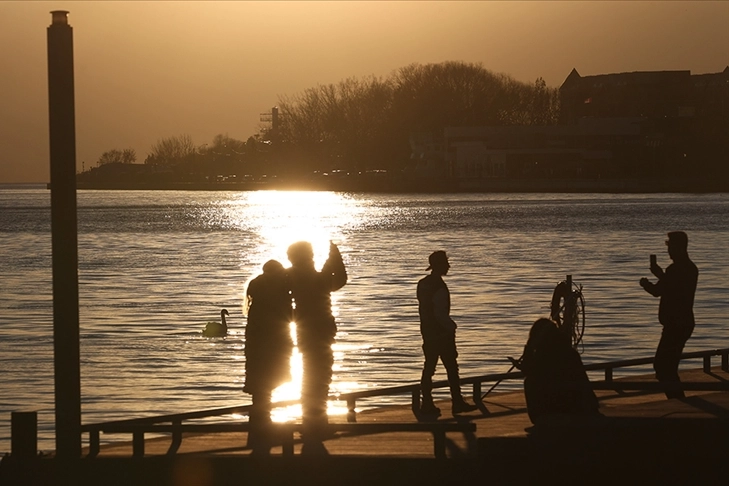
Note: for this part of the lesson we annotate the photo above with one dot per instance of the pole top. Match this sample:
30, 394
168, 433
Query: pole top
59, 17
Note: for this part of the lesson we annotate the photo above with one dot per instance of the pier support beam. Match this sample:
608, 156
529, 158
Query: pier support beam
66, 353
24, 435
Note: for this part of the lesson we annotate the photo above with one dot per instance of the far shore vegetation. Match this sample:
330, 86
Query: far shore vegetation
359, 125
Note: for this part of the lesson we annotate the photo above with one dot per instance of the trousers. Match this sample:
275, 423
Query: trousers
444, 349
668, 356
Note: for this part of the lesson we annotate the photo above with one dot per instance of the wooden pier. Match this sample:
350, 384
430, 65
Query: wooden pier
643, 437
502, 415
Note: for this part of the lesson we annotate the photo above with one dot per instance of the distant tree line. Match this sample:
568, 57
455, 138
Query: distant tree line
358, 124
366, 123
115, 156
178, 158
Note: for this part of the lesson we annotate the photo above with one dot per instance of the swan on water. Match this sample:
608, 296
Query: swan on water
217, 329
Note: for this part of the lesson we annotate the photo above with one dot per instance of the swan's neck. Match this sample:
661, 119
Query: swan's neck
222, 319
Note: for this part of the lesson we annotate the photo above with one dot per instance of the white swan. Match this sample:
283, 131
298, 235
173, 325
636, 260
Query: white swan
217, 329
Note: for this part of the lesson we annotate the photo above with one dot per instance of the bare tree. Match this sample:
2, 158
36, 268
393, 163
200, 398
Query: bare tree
362, 123
115, 156
223, 144
171, 151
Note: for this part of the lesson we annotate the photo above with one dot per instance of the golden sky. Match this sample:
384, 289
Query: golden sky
147, 70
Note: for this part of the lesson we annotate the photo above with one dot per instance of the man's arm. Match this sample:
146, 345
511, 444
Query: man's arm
657, 271
655, 289
334, 266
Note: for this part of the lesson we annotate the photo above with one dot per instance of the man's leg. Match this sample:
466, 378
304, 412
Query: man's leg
426, 379
317, 376
668, 356
261, 407
260, 419
449, 356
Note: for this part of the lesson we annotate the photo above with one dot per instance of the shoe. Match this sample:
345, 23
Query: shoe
430, 410
462, 406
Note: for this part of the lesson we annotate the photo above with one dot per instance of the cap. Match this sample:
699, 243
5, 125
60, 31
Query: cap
437, 258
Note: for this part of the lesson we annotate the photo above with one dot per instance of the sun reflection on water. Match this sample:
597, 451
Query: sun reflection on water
281, 218
292, 389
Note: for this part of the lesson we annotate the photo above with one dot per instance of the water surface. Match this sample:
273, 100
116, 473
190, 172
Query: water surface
155, 266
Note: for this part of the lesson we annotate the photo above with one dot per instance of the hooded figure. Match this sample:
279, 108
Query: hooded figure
268, 338
555, 379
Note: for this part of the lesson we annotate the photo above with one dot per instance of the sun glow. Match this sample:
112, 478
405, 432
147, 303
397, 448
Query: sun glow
281, 218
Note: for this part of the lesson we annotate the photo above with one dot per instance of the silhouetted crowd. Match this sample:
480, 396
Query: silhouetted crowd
555, 382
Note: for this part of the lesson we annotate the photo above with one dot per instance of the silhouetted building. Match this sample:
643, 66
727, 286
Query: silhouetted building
711, 94
661, 124
590, 148
687, 115
642, 94
648, 94
427, 156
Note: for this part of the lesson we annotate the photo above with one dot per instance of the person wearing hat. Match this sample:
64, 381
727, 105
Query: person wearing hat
439, 336
676, 287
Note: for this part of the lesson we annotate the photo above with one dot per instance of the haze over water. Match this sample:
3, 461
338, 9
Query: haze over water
155, 266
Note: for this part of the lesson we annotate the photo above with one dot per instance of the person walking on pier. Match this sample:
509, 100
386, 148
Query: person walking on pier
268, 345
315, 328
439, 336
676, 287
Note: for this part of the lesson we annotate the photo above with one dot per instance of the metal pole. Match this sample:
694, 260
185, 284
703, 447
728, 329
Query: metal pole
569, 311
66, 354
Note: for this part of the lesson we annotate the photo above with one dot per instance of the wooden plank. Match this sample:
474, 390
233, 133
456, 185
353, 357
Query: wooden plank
660, 387
285, 432
362, 428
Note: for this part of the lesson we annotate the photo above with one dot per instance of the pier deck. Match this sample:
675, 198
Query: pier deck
643, 439
502, 415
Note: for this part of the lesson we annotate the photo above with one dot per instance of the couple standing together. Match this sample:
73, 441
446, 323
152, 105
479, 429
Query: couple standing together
273, 300
268, 342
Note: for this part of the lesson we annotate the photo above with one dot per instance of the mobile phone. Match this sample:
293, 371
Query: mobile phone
653, 260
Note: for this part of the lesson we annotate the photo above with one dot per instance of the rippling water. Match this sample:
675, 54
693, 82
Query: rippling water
155, 266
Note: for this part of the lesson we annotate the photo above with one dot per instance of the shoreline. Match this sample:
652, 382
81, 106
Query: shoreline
432, 186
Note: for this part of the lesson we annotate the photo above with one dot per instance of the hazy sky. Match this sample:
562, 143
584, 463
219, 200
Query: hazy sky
147, 70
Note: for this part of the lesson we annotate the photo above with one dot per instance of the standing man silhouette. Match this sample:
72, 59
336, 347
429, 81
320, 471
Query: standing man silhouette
676, 287
315, 328
439, 336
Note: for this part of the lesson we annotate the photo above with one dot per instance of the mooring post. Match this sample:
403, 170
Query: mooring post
23, 435
62, 134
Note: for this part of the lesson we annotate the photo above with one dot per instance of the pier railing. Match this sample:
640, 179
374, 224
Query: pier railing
413, 389
477, 381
